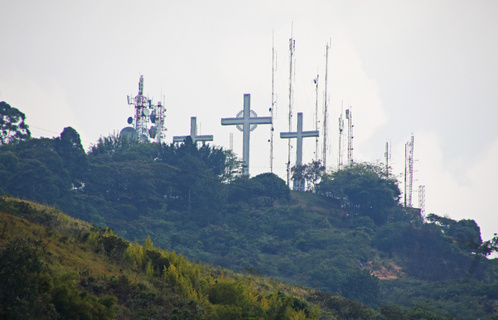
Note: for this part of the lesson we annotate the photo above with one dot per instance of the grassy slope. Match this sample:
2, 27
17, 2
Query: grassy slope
61, 248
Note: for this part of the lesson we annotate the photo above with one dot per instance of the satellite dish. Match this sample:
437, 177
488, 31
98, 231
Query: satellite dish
152, 132
130, 120
129, 133
146, 112
144, 138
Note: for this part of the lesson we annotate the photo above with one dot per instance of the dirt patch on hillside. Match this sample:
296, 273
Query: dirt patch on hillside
384, 270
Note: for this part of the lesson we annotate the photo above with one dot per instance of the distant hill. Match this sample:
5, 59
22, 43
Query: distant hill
351, 237
55, 267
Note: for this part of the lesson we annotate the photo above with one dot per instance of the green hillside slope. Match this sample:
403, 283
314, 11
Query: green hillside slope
56, 267
350, 238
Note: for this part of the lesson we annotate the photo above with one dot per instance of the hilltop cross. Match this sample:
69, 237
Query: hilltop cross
246, 121
299, 135
193, 134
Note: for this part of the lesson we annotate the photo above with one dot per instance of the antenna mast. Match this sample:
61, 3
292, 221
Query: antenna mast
273, 102
421, 200
387, 155
292, 48
145, 114
316, 115
325, 107
409, 172
349, 117
341, 129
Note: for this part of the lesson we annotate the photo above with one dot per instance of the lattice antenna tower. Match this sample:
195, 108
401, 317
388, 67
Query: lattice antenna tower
148, 119
273, 108
341, 129
316, 115
158, 117
421, 200
142, 110
387, 156
325, 107
409, 172
292, 48
349, 117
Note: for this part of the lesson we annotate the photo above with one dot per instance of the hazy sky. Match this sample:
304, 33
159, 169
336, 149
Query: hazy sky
424, 67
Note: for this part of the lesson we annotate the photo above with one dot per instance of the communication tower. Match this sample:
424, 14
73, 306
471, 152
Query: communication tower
421, 200
341, 129
409, 172
315, 81
325, 107
387, 156
349, 117
148, 120
292, 48
273, 109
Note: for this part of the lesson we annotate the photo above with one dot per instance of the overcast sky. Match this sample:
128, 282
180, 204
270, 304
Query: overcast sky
427, 68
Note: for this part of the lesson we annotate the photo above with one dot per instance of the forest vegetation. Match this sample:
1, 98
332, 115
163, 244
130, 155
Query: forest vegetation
349, 240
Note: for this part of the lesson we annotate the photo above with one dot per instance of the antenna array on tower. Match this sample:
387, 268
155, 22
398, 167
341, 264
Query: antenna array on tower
341, 129
148, 119
325, 115
421, 200
316, 116
273, 102
292, 48
409, 172
349, 117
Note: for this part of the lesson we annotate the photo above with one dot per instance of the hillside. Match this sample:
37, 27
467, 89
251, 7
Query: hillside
56, 267
351, 237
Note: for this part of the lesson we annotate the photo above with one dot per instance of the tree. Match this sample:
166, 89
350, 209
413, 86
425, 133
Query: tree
21, 289
364, 187
13, 129
313, 173
361, 286
273, 186
69, 148
298, 173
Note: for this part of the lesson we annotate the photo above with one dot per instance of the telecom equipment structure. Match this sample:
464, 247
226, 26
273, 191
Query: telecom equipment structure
421, 200
387, 156
292, 48
273, 109
349, 117
315, 81
341, 129
409, 172
325, 107
148, 119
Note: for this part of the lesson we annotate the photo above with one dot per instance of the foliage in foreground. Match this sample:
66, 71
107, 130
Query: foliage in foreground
335, 241
54, 267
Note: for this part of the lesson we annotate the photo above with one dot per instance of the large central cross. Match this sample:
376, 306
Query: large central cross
193, 133
299, 135
246, 121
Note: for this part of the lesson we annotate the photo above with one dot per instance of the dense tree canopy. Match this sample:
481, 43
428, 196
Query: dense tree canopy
193, 199
362, 189
12, 126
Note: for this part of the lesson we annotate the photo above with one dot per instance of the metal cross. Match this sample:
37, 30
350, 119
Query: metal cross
193, 133
246, 121
299, 135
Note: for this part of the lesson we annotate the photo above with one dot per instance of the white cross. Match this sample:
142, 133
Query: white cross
246, 124
193, 133
299, 135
